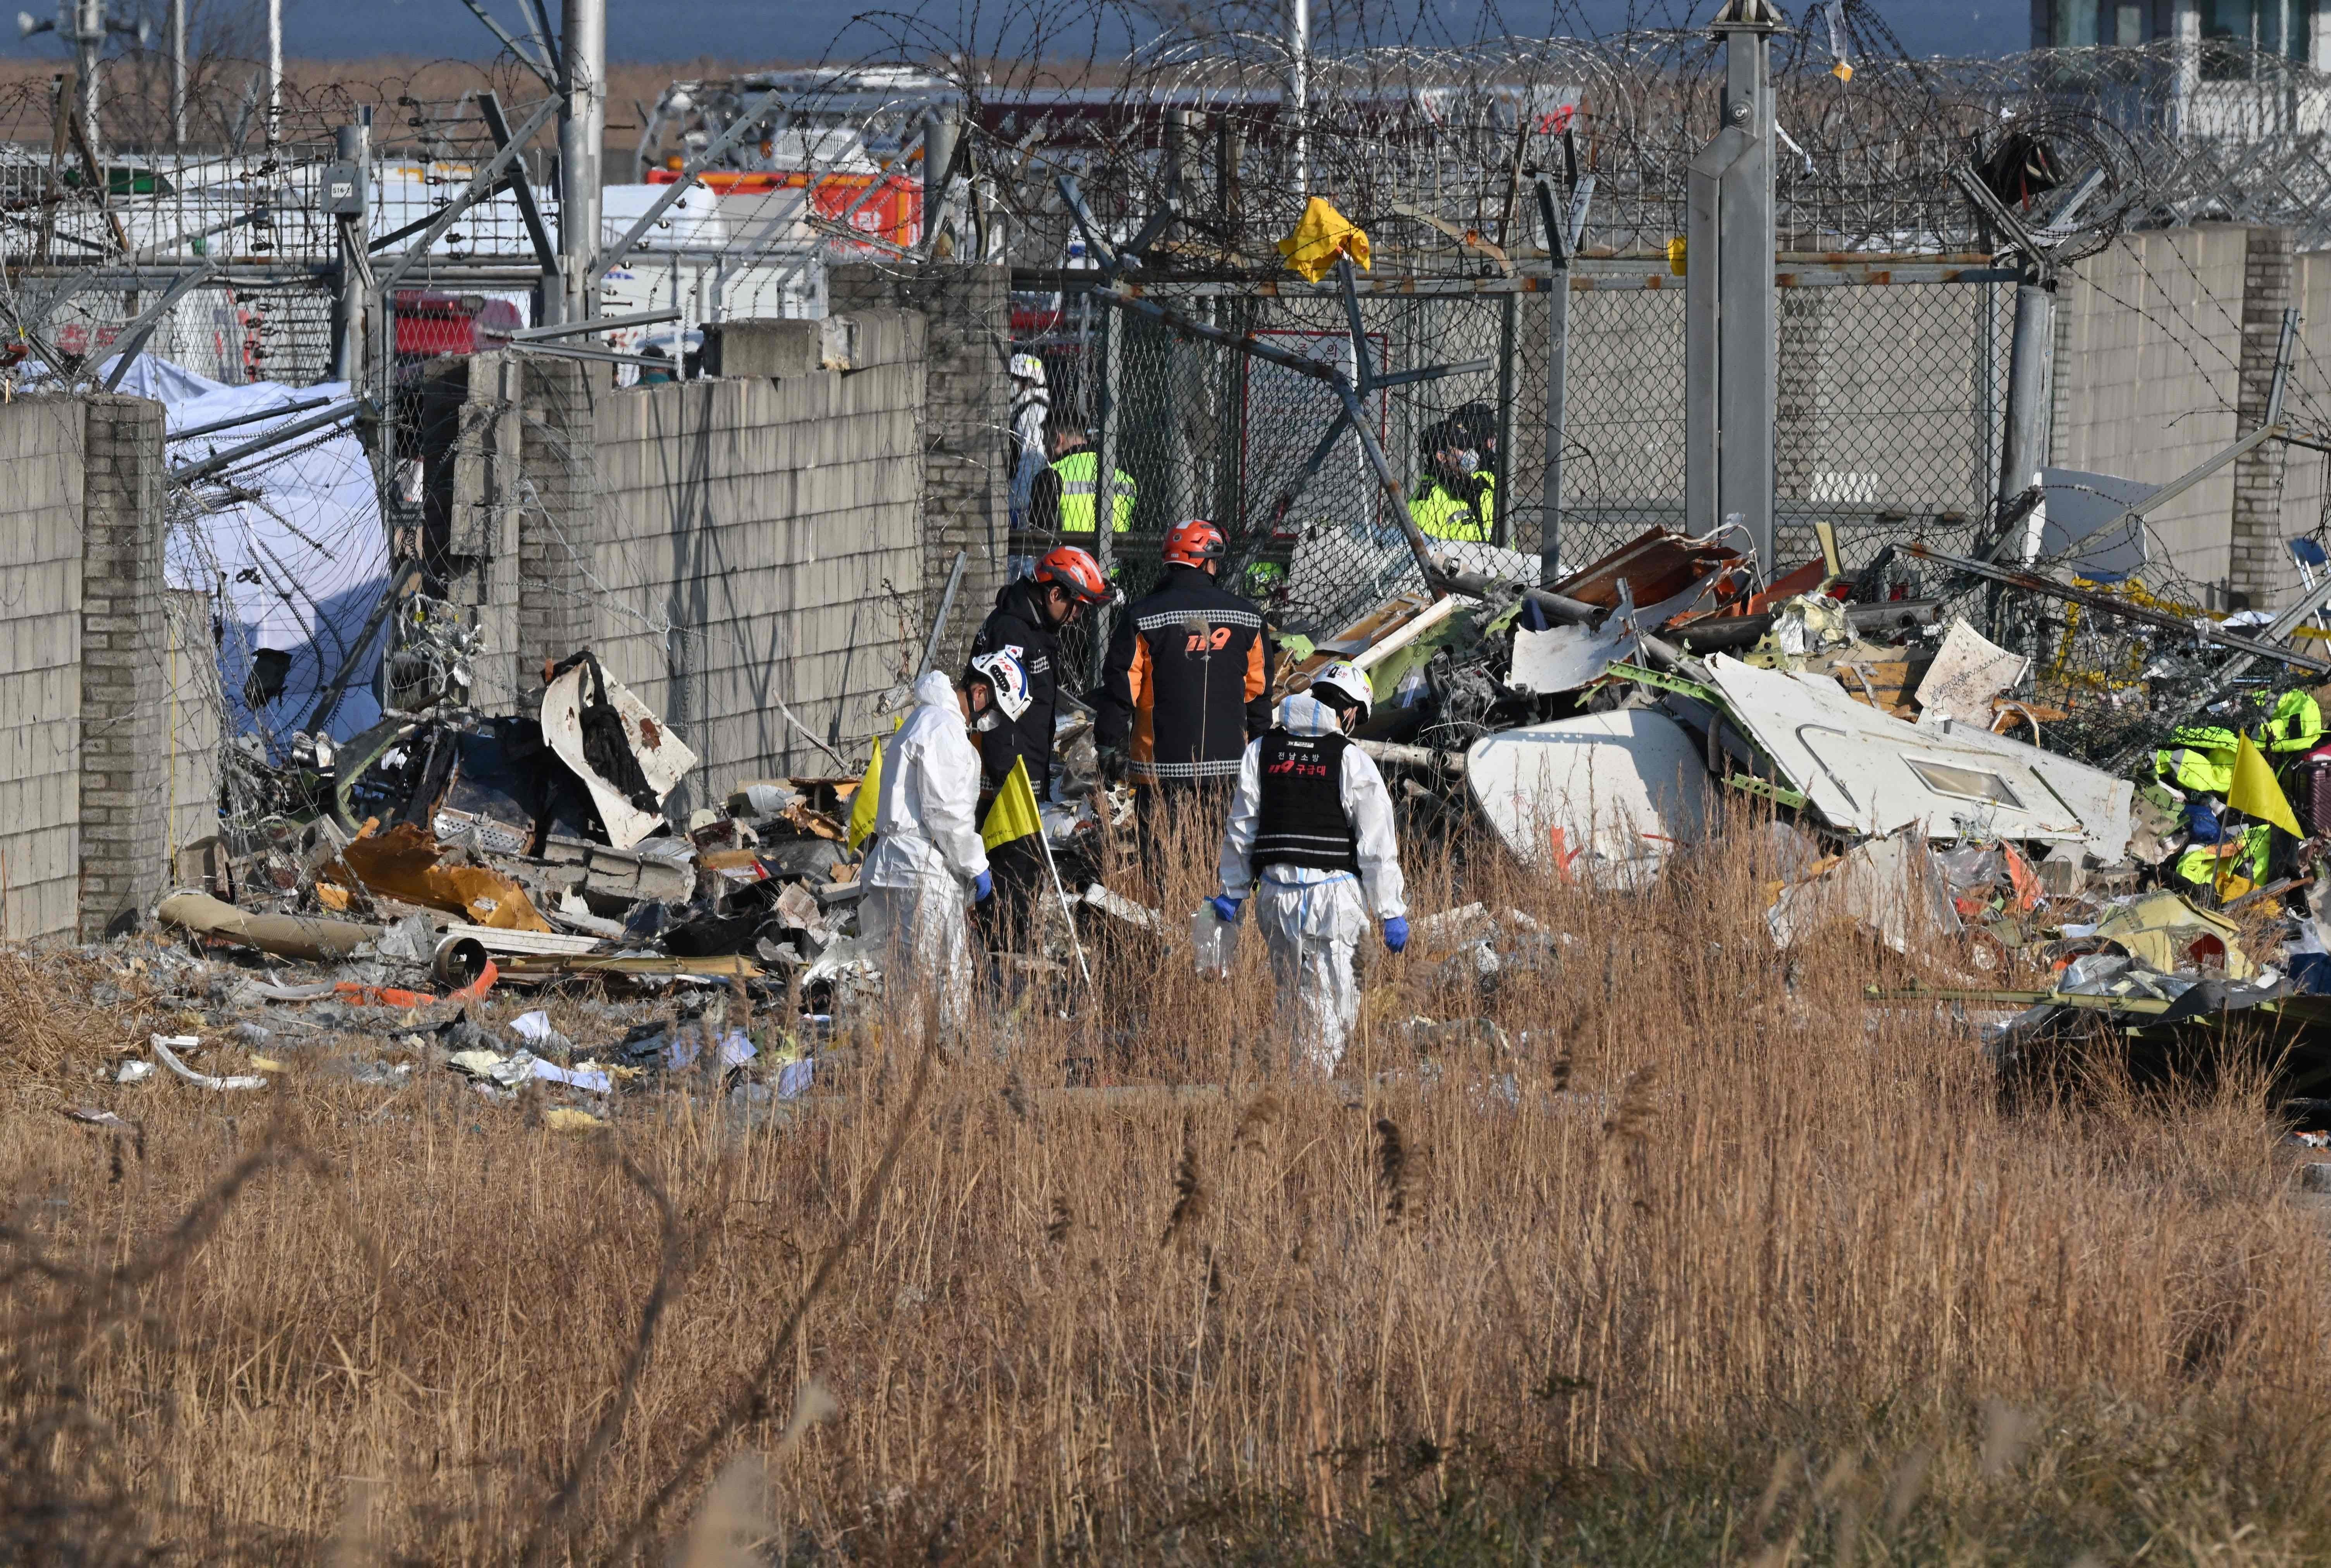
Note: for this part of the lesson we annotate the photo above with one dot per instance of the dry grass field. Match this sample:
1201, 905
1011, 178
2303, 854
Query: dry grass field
1717, 1264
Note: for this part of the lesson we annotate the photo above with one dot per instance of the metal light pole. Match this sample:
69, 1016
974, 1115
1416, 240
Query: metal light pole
177, 74
83, 25
582, 132
87, 35
274, 72
1298, 88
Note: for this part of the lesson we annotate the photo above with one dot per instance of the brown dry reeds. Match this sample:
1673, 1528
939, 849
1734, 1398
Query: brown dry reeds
1771, 1275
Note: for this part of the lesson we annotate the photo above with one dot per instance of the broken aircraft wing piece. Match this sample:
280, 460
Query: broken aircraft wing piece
1603, 797
1868, 772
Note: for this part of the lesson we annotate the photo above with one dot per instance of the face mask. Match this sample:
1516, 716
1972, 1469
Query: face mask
987, 719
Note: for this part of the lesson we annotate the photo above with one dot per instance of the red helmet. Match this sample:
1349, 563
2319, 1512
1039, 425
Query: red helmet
1076, 572
1195, 543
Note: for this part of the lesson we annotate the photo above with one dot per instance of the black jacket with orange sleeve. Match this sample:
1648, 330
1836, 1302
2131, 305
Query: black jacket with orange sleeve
1187, 684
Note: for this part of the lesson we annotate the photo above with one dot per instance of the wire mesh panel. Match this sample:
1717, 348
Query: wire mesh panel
1263, 449
1886, 425
1622, 437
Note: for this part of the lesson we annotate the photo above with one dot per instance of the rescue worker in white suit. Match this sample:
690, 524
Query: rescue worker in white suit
1313, 821
927, 864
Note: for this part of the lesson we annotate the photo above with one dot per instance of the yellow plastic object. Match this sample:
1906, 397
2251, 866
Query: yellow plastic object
2255, 793
1320, 236
1012, 813
863, 804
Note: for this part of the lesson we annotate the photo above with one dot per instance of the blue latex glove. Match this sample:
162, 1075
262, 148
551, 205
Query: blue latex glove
1227, 907
2202, 820
1396, 934
983, 888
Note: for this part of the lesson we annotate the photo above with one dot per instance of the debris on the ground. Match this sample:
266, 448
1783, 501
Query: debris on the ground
1911, 764
285, 936
165, 1052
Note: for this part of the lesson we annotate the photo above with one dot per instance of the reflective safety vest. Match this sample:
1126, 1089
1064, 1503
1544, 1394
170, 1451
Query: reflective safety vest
1439, 515
2198, 759
2212, 865
1080, 474
2296, 724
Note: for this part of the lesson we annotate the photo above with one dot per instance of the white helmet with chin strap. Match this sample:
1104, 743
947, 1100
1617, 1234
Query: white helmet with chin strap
1028, 367
1346, 680
1005, 677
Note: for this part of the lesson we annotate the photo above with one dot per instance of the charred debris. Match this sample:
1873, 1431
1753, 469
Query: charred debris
1952, 803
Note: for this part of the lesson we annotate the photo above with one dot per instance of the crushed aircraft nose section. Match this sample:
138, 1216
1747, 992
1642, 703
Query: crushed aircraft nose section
1603, 797
619, 748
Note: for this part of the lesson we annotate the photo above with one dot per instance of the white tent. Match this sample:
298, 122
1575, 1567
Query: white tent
290, 545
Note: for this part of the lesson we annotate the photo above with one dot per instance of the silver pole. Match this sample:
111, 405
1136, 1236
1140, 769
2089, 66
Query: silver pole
1558, 376
1748, 373
88, 47
2030, 356
1298, 88
1508, 347
274, 72
1112, 369
581, 130
354, 148
938, 156
177, 74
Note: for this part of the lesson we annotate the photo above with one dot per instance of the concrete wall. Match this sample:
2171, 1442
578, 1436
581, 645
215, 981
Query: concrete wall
749, 532
2306, 494
2165, 354
557, 514
2148, 376
193, 713
41, 449
109, 709
125, 856
472, 455
965, 439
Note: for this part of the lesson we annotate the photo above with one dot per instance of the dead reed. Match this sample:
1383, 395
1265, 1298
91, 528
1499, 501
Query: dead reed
1717, 1264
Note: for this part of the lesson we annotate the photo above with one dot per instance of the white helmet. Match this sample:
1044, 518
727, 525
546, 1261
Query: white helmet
1028, 367
1006, 679
1349, 681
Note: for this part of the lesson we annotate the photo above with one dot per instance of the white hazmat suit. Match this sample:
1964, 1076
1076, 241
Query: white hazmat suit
927, 854
1312, 920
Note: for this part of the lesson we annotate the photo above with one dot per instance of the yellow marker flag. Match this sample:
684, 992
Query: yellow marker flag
1012, 813
2255, 793
1322, 236
863, 805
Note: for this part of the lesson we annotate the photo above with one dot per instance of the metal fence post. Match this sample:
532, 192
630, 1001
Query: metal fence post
938, 163
1731, 366
582, 132
1509, 320
1112, 365
2030, 358
353, 150
1750, 369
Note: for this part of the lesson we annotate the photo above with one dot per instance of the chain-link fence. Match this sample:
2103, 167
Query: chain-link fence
1886, 425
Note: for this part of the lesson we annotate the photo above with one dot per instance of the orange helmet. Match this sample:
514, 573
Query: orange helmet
1076, 572
1195, 543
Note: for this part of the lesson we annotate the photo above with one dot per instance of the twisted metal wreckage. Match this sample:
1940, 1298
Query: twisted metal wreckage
1599, 720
